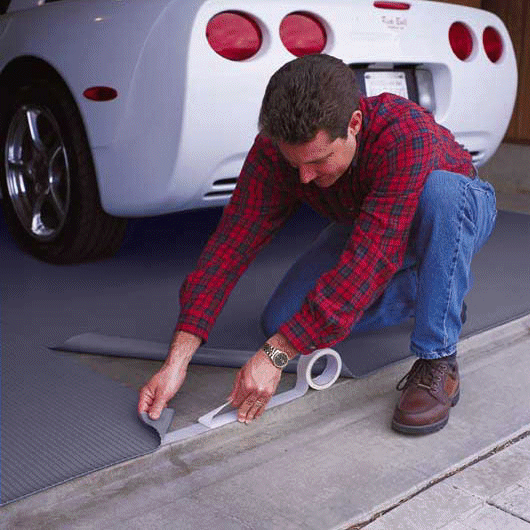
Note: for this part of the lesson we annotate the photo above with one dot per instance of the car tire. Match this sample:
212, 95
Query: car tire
50, 196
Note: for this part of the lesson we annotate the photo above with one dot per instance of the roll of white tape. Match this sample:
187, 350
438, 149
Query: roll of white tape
330, 373
304, 380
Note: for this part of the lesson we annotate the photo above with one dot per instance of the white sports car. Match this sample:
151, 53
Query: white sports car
112, 109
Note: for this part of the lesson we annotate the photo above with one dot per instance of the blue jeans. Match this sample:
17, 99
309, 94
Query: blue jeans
455, 217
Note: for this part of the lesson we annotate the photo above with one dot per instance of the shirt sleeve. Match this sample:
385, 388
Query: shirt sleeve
375, 249
258, 208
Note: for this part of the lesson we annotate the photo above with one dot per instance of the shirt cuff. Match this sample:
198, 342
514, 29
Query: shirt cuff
194, 330
295, 330
307, 333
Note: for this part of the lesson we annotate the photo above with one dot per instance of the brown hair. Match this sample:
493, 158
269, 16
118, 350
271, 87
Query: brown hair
308, 94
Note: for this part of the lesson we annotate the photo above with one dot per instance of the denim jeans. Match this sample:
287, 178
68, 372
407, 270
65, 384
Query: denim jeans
454, 218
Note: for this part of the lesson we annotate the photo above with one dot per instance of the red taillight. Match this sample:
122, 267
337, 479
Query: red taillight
461, 40
302, 34
234, 36
492, 44
392, 5
100, 93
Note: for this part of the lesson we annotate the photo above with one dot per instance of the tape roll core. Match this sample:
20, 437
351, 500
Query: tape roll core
331, 370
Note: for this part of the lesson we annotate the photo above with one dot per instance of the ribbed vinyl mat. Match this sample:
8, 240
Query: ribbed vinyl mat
60, 420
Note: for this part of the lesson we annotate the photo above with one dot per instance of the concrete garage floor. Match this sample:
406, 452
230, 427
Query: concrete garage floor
328, 460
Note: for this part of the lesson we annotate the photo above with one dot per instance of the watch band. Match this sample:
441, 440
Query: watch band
278, 357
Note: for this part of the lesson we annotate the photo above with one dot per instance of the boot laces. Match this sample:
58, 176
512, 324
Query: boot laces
425, 374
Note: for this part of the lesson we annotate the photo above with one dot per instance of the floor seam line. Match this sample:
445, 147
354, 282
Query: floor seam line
505, 510
449, 474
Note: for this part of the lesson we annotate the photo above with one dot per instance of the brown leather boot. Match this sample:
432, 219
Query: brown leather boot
430, 389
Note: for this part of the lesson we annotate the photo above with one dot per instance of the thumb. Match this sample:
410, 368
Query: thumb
157, 407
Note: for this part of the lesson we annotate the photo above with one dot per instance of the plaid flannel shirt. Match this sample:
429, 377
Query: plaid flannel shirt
399, 145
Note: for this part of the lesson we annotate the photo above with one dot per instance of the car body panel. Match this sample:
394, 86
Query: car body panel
185, 117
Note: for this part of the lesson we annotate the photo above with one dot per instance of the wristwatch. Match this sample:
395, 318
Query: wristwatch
278, 357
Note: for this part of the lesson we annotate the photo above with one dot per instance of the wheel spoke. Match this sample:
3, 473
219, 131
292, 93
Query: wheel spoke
17, 164
31, 117
54, 151
56, 202
37, 226
57, 177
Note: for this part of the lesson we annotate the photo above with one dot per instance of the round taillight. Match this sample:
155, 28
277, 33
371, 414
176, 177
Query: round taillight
461, 40
234, 36
493, 46
302, 34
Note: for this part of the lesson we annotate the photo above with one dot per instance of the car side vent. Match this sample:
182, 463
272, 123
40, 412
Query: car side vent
222, 188
477, 156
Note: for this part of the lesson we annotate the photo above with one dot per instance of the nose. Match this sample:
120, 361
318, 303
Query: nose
307, 174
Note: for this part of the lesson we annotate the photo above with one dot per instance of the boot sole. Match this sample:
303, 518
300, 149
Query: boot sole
425, 429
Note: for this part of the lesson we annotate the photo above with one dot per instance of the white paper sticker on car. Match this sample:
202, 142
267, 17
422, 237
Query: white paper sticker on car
379, 82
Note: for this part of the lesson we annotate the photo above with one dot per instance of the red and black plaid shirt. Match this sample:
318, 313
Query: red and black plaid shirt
398, 146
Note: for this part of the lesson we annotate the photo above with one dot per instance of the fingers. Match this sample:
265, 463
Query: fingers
258, 408
254, 386
145, 400
160, 389
250, 404
152, 402
252, 407
156, 408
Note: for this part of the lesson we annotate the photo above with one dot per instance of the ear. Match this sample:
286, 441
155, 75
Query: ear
356, 122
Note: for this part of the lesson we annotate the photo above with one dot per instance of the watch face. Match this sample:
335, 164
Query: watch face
281, 359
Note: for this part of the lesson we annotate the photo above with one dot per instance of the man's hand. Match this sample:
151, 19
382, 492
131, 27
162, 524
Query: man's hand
257, 381
155, 395
255, 384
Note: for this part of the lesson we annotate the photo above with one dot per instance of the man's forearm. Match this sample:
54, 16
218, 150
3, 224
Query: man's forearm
182, 347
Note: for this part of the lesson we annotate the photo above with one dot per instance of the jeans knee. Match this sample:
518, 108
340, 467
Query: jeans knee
269, 324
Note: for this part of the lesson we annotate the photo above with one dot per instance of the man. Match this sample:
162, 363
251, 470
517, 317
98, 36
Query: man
408, 214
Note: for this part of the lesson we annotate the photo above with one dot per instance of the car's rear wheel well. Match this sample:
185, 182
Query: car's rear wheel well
27, 66
23, 69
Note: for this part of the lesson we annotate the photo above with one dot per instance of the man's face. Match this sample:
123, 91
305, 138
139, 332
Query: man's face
321, 160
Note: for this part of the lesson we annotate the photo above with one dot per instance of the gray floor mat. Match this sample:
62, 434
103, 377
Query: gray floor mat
501, 270
60, 419
97, 344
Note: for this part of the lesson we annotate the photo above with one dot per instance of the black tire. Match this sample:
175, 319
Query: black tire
72, 227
